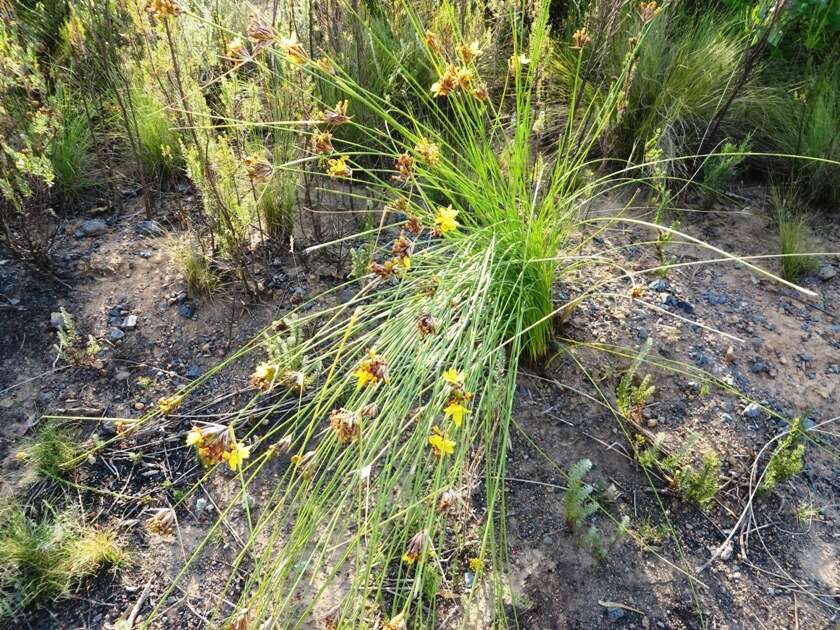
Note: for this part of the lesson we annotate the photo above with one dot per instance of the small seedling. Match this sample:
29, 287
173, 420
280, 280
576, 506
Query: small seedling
788, 459
631, 399
577, 502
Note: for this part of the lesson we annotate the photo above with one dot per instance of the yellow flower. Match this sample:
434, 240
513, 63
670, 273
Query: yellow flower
345, 424
476, 565
264, 376
21, 456
395, 623
339, 168
648, 11
371, 370
164, 8
445, 220
481, 93
415, 548
457, 411
161, 522
195, 437
236, 456
337, 115
168, 404
453, 376
441, 445
235, 50
257, 168
469, 52
294, 50
429, 151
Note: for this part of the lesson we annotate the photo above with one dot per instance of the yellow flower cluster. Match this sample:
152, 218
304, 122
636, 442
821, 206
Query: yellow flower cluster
338, 167
581, 38
429, 151
371, 371
168, 404
293, 50
445, 221
454, 76
401, 260
441, 445
215, 443
164, 8
458, 396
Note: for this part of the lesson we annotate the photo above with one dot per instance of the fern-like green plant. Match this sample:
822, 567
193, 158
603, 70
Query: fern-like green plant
630, 398
788, 459
577, 502
701, 486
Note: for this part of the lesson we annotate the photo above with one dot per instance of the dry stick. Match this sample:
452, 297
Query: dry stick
132, 617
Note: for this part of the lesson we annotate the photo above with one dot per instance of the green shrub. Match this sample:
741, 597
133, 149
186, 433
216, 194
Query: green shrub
788, 458
794, 234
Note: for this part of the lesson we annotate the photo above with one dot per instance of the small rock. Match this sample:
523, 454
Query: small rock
752, 410
758, 366
658, 285
107, 430
116, 334
57, 320
146, 253
469, 578
93, 227
614, 613
809, 424
149, 228
652, 423
826, 273
193, 371
726, 417
123, 375
139, 406
201, 505
730, 354
130, 321
187, 311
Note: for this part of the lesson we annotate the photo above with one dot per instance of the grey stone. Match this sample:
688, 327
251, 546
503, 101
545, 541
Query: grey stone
614, 613
57, 320
149, 228
187, 311
826, 273
93, 227
116, 334
752, 410
130, 321
193, 371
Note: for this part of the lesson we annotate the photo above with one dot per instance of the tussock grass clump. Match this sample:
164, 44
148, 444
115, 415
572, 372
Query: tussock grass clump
43, 558
794, 234
55, 451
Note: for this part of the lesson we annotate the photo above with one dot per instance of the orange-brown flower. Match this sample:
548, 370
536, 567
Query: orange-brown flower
447, 82
264, 377
322, 142
427, 325
480, 92
580, 38
416, 547
469, 52
404, 165
164, 8
446, 500
402, 245
257, 169
433, 42
345, 424
413, 225
161, 522
464, 77
262, 35
648, 11
337, 115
